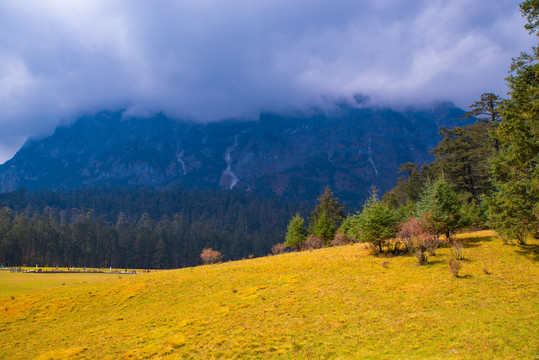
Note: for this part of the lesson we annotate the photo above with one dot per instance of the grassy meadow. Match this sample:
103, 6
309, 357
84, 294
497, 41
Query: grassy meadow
334, 303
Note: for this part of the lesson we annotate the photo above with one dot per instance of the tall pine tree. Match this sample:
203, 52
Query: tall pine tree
515, 167
328, 206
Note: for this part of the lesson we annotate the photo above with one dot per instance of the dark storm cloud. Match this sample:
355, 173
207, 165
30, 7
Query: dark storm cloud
212, 59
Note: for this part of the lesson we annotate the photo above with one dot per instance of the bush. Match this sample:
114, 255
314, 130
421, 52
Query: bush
431, 243
312, 243
279, 249
393, 245
210, 256
454, 267
410, 232
341, 239
414, 236
421, 256
374, 248
457, 250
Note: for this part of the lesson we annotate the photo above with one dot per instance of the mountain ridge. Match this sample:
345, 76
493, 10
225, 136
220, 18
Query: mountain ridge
350, 149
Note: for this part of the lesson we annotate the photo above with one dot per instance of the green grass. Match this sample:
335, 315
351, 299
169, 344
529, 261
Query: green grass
336, 303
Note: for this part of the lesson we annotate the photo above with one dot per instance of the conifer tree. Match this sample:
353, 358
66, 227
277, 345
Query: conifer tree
375, 224
514, 208
296, 233
463, 157
441, 209
328, 206
324, 229
487, 108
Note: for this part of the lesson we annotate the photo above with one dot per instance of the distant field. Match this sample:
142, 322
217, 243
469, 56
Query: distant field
12, 284
336, 303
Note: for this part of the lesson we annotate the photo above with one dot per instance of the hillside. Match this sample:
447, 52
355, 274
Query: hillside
349, 148
337, 303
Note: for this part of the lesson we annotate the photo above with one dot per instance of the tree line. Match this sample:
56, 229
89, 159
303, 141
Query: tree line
136, 227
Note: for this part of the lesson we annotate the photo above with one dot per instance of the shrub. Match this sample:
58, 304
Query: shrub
393, 245
341, 239
431, 243
210, 256
312, 243
421, 256
279, 249
415, 237
374, 248
454, 267
457, 250
410, 232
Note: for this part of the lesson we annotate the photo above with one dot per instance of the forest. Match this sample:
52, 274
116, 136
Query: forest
136, 227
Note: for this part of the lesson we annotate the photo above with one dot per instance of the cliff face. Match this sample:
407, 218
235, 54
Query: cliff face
349, 149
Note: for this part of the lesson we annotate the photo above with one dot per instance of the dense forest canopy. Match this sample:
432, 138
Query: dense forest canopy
137, 227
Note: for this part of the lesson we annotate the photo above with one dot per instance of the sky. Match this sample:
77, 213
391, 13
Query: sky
206, 60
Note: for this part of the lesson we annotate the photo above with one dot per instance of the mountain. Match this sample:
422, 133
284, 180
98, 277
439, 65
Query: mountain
349, 148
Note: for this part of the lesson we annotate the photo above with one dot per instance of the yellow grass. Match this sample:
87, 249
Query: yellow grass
12, 284
336, 303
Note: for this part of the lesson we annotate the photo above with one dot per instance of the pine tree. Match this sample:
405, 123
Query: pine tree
324, 229
487, 108
463, 157
375, 224
328, 206
514, 207
441, 209
296, 233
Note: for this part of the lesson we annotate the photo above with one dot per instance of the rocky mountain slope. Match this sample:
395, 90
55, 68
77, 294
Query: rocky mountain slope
350, 149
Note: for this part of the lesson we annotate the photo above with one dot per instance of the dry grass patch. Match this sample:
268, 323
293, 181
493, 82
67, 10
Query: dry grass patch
337, 303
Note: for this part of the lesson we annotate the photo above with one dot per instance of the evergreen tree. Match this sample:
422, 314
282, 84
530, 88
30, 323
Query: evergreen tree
410, 185
8, 255
514, 207
463, 158
375, 224
486, 109
328, 206
296, 233
440, 208
324, 229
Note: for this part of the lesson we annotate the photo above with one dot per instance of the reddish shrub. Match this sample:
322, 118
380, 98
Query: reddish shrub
415, 238
454, 267
210, 256
279, 249
341, 239
312, 243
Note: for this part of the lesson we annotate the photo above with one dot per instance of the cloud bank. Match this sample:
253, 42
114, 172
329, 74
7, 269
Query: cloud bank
213, 59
